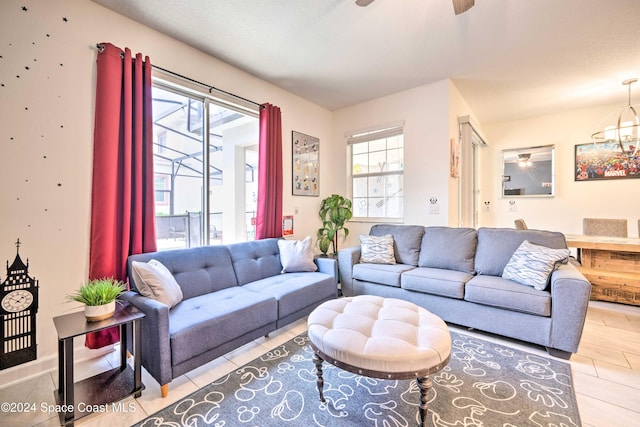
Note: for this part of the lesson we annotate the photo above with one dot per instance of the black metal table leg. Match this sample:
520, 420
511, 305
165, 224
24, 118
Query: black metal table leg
137, 359
68, 392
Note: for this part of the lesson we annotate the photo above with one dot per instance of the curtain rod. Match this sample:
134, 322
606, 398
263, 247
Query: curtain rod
211, 88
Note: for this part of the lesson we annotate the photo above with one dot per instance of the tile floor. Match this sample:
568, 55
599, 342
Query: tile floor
606, 372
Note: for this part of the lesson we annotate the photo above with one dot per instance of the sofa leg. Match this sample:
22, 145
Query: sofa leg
164, 390
566, 355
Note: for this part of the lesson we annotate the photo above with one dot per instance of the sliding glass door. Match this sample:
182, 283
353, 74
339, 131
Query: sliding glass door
205, 166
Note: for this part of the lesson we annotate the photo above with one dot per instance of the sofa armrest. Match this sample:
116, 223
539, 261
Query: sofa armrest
570, 292
156, 349
327, 266
347, 258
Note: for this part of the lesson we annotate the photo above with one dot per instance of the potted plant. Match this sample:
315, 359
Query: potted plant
335, 210
99, 297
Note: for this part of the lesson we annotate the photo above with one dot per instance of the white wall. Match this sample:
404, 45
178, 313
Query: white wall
46, 139
574, 200
430, 115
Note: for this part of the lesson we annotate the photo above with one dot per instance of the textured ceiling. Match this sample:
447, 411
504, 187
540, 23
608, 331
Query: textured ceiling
509, 58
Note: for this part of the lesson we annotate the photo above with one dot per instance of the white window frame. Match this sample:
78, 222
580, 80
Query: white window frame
367, 135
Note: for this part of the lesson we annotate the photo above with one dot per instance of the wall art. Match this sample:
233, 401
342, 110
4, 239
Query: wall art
305, 166
605, 161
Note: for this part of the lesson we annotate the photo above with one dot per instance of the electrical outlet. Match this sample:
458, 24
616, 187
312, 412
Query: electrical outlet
512, 206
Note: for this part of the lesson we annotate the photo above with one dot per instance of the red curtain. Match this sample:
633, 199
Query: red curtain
269, 215
122, 204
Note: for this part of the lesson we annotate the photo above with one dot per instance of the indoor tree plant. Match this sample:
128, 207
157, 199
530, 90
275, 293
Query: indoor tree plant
335, 210
99, 297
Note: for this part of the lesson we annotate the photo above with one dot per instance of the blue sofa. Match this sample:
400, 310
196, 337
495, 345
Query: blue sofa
232, 294
456, 273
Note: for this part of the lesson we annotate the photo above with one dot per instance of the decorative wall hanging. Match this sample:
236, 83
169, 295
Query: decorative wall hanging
18, 308
455, 158
605, 161
287, 225
305, 166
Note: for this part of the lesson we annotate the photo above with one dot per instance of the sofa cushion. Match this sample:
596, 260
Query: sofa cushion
155, 281
297, 255
437, 281
255, 260
295, 291
503, 293
449, 247
377, 249
383, 274
532, 265
496, 245
202, 323
406, 240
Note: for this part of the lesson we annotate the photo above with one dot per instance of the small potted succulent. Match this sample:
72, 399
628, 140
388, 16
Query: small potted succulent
99, 297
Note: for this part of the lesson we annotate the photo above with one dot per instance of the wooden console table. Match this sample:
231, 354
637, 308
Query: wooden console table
611, 264
100, 391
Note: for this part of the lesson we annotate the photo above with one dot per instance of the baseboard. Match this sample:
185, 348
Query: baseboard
48, 364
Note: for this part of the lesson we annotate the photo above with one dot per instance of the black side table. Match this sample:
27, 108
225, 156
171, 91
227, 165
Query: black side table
100, 391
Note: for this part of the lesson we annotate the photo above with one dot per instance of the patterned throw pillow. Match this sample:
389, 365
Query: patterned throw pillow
377, 249
532, 264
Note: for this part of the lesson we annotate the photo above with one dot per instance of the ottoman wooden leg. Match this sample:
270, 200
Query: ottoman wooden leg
424, 383
320, 382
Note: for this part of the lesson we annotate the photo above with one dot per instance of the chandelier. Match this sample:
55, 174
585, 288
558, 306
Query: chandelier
621, 127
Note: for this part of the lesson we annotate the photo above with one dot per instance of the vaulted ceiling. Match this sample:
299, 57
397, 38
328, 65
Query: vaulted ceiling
509, 58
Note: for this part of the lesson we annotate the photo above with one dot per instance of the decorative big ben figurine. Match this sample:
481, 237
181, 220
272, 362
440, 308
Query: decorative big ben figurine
18, 308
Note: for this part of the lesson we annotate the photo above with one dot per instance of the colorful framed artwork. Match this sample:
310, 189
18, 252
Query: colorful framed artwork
305, 165
605, 161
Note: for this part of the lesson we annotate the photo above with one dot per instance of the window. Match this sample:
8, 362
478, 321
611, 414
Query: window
205, 166
377, 168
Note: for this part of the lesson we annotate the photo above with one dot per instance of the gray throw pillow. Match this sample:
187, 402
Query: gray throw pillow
377, 249
154, 280
532, 265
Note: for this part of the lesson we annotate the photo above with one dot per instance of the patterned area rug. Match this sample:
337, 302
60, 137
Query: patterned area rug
485, 384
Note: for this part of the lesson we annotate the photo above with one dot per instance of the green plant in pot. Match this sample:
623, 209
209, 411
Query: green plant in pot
99, 297
335, 210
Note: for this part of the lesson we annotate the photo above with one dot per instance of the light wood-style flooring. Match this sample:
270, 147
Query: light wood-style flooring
606, 373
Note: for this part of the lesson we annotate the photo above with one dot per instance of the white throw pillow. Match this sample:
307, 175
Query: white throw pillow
532, 264
377, 249
297, 255
154, 280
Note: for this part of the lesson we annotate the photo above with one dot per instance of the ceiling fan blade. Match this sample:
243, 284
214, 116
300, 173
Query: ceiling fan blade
461, 6
364, 3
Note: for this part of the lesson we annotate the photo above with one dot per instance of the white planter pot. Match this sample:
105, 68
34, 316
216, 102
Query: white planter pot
96, 313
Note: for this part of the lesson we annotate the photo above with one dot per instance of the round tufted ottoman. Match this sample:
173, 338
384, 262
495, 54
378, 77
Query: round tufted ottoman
379, 337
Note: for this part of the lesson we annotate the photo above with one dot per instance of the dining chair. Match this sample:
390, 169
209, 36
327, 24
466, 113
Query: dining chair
520, 224
604, 227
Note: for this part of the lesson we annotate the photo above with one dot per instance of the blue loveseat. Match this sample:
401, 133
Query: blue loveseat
456, 273
231, 295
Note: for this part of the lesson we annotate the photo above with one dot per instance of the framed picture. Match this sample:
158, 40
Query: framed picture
305, 165
287, 225
454, 169
605, 161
